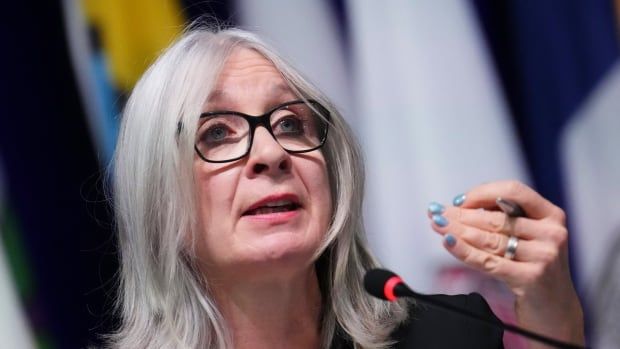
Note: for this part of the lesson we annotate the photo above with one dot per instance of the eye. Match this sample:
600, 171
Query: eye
221, 128
216, 133
289, 124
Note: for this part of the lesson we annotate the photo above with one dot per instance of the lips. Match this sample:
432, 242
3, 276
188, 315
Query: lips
274, 204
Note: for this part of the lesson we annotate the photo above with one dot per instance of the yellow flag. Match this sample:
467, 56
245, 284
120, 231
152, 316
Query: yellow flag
133, 33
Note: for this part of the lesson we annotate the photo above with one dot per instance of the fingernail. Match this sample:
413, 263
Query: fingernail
435, 208
459, 200
440, 220
450, 240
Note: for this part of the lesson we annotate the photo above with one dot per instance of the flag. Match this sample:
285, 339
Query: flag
590, 144
15, 331
111, 44
433, 123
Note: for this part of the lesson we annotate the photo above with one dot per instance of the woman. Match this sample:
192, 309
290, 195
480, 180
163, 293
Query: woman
238, 191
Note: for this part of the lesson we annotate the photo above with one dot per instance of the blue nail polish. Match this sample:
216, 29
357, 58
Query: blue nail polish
459, 200
435, 208
440, 220
450, 240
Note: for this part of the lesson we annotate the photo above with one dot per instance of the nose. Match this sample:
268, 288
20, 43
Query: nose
267, 156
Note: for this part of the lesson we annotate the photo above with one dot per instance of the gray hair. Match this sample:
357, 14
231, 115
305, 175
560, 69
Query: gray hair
164, 302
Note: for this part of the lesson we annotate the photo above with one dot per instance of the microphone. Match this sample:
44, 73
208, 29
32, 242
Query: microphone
386, 285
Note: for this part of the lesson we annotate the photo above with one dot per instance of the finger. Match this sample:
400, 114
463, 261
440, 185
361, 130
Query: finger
526, 251
496, 243
499, 222
508, 270
534, 205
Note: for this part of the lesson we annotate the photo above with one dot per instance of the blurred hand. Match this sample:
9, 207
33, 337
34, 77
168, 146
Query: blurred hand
476, 233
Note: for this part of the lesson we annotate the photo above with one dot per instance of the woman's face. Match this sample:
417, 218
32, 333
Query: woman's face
265, 214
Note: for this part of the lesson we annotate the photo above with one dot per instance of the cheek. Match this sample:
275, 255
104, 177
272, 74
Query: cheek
325, 191
318, 184
215, 193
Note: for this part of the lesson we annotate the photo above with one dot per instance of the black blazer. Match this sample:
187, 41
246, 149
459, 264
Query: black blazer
430, 327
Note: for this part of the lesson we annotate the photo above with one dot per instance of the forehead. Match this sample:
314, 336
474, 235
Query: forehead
246, 71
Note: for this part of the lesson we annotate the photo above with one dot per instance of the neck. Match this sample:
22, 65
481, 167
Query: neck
282, 313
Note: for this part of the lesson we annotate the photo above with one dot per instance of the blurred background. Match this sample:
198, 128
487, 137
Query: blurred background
443, 95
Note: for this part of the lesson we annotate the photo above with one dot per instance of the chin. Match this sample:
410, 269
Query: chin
280, 252
283, 246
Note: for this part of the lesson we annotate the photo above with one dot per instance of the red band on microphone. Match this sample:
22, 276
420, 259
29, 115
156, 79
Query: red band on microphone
388, 289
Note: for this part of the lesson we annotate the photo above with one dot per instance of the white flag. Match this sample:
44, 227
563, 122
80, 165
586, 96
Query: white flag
591, 160
434, 123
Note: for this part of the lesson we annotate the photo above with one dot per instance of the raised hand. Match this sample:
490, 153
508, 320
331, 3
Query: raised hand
537, 270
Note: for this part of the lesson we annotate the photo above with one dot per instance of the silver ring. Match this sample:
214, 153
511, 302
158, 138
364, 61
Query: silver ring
511, 247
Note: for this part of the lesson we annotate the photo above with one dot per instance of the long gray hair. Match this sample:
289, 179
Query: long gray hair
164, 302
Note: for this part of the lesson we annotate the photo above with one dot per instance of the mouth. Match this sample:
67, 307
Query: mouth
273, 204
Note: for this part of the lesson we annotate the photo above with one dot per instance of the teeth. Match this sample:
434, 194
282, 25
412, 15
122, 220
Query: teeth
267, 210
278, 203
275, 206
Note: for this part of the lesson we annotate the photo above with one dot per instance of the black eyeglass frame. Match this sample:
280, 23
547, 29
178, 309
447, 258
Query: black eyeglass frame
263, 120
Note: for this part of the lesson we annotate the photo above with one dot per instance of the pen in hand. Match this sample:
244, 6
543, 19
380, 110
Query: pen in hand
509, 207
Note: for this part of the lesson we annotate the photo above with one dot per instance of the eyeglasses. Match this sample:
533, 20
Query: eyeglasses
298, 126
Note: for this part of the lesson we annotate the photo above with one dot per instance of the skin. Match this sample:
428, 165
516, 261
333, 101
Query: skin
261, 271
539, 275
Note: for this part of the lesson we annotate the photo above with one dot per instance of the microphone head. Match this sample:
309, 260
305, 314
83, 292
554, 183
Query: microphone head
380, 283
